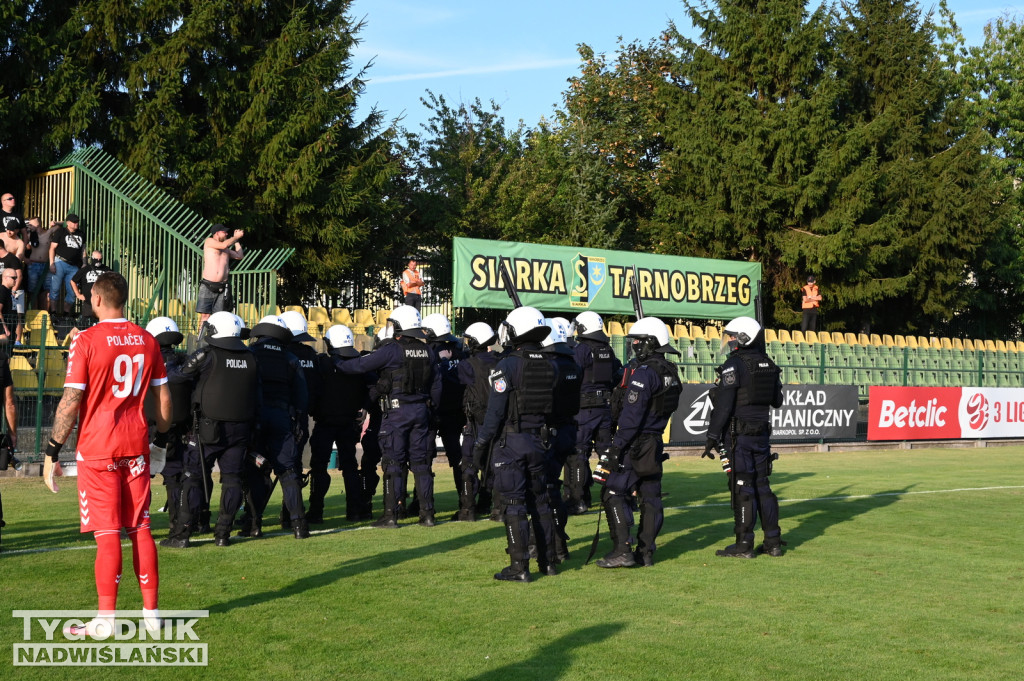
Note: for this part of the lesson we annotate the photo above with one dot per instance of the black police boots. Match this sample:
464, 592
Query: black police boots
388, 520
618, 527
252, 527
772, 547
467, 511
517, 533
741, 549
518, 571
301, 528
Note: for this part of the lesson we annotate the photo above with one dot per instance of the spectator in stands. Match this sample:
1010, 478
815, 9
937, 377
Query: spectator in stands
10, 264
14, 243
8, 318
39, 275
82, 283
67, 252
218, 251
8, 218
810, 302
412, 285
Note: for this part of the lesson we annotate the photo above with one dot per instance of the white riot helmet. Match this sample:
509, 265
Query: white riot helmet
272, 326
405, 321
744, 331
650, 335
589, 325
555, 335
165, 330
438, 327
480, 335
523, 325
341, 341
297, 325
225, 331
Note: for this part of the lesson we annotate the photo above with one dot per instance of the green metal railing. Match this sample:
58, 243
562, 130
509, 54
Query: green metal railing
151, 238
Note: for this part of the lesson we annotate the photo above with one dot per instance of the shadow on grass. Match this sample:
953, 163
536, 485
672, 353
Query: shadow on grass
358, 566
555, 658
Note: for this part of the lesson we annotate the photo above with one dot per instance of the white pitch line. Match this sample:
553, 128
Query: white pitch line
335, 530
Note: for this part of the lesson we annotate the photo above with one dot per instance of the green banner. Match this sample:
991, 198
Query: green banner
569, 279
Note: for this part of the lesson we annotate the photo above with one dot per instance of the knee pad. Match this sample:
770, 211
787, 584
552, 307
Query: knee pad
422, 468
289, 478
513, 507
391, 467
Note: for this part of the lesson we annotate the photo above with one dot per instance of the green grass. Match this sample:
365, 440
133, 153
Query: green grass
899, 566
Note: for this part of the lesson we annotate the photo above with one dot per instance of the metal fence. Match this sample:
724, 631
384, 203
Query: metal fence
152, 239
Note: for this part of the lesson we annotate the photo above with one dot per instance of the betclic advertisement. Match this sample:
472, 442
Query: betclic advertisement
898, 413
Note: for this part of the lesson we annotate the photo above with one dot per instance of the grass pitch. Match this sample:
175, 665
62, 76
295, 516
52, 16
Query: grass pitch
900, 565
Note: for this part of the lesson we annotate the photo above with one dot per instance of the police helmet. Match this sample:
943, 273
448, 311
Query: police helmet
272, 326
650, 335
165, 330
556, 334
405, 321
340, 341
744, 330
479, 335
296, 323
589, 325
523, 325
438, 327
225, 331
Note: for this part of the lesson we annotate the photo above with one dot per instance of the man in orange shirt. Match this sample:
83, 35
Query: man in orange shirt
412, 285
810, 303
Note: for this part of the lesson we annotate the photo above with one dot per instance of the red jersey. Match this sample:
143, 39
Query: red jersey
113, 363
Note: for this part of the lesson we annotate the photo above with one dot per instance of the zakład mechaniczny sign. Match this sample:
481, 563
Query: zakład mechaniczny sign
573, 279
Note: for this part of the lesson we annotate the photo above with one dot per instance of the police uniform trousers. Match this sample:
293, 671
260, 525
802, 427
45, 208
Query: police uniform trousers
174, 472
593, 429
371, 457
404, 441
561, 446
474, 476
324, 439
619, 488
449, 429
519, 462
228, 450
277, 444
752, 494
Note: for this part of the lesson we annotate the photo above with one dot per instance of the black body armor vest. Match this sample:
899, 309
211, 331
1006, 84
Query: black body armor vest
474, 400
227, 390
601, 371
666, 398
414, 376
275, 373
764, 375
342, 394
536, 394
566, 398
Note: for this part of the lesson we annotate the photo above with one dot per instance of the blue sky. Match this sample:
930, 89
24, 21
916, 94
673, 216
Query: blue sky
521, 54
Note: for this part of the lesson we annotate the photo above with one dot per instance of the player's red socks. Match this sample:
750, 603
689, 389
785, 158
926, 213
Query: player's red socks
145, 561
108, 568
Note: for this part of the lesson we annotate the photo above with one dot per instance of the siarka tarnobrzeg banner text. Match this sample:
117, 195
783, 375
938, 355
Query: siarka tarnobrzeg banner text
570, 279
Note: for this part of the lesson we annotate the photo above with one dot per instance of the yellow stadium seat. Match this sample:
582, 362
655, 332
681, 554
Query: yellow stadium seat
834, 338
341, 315
295, 308
681, 332
862, 339
901, 342
945, 343
934, 343
784, 336
361, 320
923, 342
969, 345
696, 333
888, 340
318, 319
614, 329
990, 346
626, 327
912, 342
850, 339
712, 333
770, 336
175, 308
875, 339
798, 337
382, 317
249, 314
1000, 346
958, 344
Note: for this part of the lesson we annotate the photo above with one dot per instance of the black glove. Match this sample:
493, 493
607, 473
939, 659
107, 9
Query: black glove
480, 450
205, 334
161, 439
709, 447
194, 362
608, 461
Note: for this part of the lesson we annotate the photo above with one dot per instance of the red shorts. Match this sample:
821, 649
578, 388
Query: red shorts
113, 493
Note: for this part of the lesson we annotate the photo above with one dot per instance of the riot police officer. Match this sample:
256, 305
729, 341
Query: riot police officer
338, 406
601, 372
408, 387
747, 386
370, 441
561, 427
449, 417
522, 392
283, 404
474, 374
307, 357
226, 400
175, 441
632, 464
